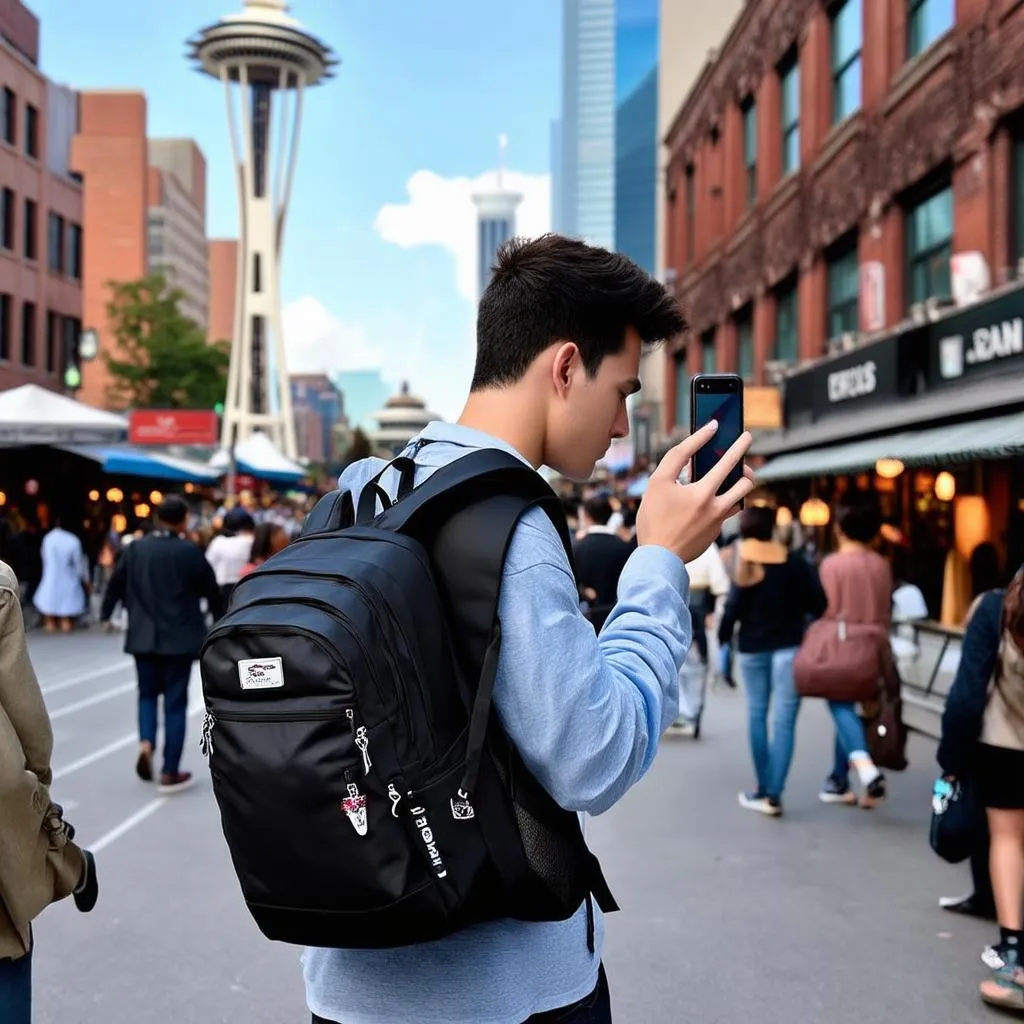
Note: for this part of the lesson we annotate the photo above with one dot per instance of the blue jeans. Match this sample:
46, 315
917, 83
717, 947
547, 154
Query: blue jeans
768, 678
850, 737
16, 990
167, 675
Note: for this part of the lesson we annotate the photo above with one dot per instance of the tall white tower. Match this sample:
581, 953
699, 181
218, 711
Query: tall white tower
496, 220
266, 60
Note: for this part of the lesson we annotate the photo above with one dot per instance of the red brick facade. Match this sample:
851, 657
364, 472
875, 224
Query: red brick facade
40, 261
947, 110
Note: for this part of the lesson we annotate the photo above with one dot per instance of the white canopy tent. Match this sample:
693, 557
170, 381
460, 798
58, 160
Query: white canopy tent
259, 457
31, 414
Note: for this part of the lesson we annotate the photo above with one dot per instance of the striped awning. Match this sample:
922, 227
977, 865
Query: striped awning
994, 438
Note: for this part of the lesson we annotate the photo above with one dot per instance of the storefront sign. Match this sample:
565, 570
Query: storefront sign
871, 375
762, 408
173, 426
984, 340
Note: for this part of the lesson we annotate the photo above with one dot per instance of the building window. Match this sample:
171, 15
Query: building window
31, 248
55, 242
750, 149
787, 338
5, 327
745, 344
682, 378
847, 40
789, 83
843, 291
927, 20
930, 246
74, 262
31, 131
71, 331
28, 333
708, 355
1018, 197
52, 340
10, 117
257, 273
691, 214
7, 219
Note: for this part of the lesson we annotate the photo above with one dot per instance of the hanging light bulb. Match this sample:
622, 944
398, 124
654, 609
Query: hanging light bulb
815, 512
783, 517
889, 469
945, 486
115, 495
155, 497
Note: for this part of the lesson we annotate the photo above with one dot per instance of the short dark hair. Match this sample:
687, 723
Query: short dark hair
598, 509
173, 510
555, 288
757, 522
859, 517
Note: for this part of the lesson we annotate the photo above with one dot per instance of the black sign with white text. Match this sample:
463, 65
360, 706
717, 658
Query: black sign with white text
983, 340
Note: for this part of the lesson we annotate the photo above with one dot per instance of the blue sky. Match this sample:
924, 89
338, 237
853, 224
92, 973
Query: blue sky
423, 90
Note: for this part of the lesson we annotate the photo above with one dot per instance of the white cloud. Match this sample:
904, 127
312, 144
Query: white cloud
440, 211
316, 341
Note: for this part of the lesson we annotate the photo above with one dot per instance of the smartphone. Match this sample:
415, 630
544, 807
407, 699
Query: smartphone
717, 396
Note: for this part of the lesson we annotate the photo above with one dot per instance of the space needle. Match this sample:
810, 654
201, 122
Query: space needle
266, 60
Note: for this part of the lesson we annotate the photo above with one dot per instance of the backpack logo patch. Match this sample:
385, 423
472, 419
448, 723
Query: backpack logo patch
261, 673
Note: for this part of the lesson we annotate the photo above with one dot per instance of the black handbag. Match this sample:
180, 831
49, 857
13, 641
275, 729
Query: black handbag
956, 819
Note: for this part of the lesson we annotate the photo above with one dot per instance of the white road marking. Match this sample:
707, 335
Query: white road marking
128, 824
111, 748
88, 702
115, 668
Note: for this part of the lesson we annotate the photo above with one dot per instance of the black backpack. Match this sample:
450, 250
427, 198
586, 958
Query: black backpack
368, 797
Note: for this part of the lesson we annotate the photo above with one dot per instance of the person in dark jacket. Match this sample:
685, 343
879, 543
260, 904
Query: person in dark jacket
600, 556
774, 595
161, 580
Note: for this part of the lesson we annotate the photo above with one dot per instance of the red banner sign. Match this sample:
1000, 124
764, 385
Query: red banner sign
173, 426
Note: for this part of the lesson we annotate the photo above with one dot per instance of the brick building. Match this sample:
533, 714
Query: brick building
145, 210
40, 213
222, 263
845, 218
831, 146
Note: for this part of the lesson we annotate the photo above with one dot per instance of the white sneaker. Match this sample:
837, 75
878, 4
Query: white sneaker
760, 804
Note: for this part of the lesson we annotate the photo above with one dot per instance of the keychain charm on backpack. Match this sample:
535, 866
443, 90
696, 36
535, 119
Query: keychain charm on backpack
462, 809
354, 805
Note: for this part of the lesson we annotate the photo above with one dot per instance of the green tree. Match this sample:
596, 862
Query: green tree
162, 359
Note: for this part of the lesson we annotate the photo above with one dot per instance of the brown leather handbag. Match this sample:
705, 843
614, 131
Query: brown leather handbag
839, 661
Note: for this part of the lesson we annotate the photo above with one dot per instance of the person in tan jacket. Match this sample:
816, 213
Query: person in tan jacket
39, 862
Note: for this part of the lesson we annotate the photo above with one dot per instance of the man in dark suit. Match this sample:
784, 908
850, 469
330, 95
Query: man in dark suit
161, 579
600, 555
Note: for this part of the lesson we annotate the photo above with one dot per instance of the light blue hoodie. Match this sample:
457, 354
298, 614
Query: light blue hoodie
585, 714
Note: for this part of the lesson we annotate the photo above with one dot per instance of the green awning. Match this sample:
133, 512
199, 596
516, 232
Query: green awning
996, 438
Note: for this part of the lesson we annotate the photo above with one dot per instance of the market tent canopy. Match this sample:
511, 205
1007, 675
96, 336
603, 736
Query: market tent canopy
258, 456
31, 414
996, 437
127, 460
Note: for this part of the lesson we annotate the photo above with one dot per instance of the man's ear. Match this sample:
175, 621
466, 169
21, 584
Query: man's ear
564, 366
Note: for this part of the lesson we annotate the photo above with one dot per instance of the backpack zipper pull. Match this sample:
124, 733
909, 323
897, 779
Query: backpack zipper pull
206, 738
361, 738
396, 799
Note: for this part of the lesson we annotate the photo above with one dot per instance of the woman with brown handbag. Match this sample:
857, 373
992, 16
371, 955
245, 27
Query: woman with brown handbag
845, 655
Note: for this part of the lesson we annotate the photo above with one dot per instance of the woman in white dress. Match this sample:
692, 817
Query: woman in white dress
61, 595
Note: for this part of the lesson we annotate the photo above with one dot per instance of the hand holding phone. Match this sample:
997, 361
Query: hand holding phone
716, 397
686, 518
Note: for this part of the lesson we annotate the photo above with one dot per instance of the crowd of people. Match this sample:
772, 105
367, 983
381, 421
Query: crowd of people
590, 661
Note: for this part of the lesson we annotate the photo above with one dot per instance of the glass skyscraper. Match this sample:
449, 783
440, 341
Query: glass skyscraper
586, 201
636, 129
604, 149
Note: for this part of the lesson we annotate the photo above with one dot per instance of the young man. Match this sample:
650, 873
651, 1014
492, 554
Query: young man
559, 334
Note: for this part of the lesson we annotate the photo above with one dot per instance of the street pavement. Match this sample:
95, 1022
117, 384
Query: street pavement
826, 915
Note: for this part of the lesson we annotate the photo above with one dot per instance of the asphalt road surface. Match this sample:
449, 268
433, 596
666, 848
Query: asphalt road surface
827, 915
